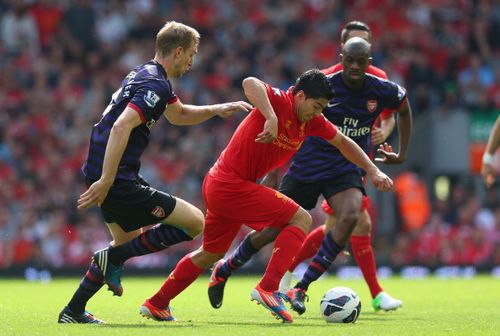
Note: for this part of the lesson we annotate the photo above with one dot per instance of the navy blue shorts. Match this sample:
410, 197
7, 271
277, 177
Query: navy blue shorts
134, 204
306, 193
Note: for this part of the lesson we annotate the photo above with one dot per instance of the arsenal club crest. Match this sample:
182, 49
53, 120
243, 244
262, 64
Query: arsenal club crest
158, 212
371, 105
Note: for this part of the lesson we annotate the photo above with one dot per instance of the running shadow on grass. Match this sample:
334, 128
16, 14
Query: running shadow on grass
145, 325
190, 324
295, 324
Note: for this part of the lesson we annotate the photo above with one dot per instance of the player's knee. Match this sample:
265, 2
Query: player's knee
348, 218
302, 219
198, 223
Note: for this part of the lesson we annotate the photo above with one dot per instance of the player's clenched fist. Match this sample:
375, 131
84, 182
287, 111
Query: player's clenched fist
380, 180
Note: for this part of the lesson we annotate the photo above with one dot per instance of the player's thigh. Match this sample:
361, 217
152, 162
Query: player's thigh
186, 216
347, 203
120, 237
364, 224
347, 207
344, 194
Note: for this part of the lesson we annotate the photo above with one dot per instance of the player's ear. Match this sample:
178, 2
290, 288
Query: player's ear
178, 51
370, 61
301, 95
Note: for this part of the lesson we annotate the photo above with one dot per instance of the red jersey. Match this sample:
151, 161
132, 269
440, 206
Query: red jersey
246, 159
372, 70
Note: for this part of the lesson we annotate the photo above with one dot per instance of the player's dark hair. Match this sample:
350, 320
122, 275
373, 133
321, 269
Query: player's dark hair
314, 84
354, 25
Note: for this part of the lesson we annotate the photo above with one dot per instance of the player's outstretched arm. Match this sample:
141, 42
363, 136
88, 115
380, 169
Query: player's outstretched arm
404, 129
487, 169
256, 92
356, 155
180, 114
118, 139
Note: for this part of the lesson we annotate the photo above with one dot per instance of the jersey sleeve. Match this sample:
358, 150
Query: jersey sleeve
396, 96
152, 97
275, 95
320, 126
386, 113
278, 98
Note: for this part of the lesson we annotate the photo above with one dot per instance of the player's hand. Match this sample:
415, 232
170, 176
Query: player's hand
269, 133
381, 181
94, 195
228, 109
488, 173
387, 155
378, 135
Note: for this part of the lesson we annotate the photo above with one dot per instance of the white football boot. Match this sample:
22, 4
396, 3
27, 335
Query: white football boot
384, 301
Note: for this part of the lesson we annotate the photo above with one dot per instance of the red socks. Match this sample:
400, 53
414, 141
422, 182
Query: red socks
310, 247
365, 258
181, 277
285, 249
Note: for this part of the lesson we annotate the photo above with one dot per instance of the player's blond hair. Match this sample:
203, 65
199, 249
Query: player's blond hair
174, 34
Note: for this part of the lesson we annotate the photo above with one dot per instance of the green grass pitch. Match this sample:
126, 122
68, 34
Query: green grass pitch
432, 306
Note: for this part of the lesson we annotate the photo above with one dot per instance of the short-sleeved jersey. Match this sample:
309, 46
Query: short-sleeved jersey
246, 159
145, 89
354, 112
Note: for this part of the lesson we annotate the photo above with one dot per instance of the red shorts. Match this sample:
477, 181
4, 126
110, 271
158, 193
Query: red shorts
365, 204
232, 204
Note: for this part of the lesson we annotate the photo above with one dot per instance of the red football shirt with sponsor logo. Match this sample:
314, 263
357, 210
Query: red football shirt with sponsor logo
246, 159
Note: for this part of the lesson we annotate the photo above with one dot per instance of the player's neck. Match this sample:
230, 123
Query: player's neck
165, 63
354, 85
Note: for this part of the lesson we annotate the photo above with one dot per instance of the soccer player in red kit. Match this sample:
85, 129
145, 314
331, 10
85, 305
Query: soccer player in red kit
361, 236
265, 140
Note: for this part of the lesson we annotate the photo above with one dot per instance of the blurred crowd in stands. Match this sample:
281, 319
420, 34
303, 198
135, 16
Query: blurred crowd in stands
60, 61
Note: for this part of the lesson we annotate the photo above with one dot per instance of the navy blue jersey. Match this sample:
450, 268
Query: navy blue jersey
353, 112
147, 90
